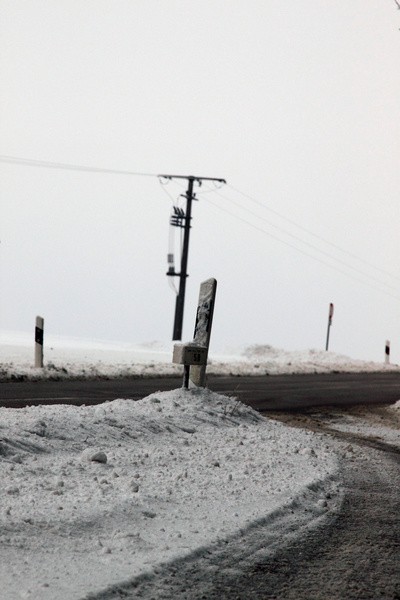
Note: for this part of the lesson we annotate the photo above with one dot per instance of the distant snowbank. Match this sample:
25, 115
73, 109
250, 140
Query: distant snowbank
76, 358
265, 359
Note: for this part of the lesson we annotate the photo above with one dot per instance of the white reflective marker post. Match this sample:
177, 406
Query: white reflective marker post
39, 342
202, 330
387, 352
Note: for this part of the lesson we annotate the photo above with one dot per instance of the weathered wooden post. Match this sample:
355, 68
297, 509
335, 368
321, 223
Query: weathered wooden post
202, 329
39, 342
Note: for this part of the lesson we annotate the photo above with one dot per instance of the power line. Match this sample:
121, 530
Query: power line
308, 244
302, 251
309, 232
82, 168
28, 162
302, 241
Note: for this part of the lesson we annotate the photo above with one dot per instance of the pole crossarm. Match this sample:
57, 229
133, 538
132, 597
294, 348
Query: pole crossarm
193, 178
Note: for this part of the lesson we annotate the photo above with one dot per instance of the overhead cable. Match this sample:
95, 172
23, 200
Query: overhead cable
28, 162
308, 244
313, 234
301, 251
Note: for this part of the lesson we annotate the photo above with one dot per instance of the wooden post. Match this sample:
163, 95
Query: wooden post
39, 342
202, 330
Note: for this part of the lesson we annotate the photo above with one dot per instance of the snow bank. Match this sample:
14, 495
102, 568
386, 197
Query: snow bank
267, 360
82, 359
95, 496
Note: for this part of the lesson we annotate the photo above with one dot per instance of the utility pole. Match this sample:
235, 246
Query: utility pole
181, 219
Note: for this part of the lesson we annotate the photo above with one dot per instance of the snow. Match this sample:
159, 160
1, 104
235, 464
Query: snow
94, 497
75, 358
382, 424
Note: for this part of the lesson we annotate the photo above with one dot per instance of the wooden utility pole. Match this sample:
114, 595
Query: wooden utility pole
184, 221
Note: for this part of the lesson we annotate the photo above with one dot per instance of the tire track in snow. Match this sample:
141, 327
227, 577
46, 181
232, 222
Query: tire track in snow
194, 576
351, 552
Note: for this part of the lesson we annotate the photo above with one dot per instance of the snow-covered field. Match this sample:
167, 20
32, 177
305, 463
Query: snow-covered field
95, 497
68, 358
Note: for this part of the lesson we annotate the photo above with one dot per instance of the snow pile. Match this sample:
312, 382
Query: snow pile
267, 360
82, 359
95, 496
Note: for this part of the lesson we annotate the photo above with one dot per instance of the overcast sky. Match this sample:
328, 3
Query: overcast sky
295, 103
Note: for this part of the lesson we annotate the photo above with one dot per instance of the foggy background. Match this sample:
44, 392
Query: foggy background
295, 104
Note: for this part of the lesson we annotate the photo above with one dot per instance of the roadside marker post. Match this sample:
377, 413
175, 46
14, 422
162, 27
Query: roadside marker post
331, 309
203, 325
387, 352
39, 329
193, 356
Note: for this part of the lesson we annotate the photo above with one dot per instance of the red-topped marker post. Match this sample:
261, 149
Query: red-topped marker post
330, 317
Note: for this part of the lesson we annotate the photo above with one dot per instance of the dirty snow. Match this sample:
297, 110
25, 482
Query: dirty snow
381, 423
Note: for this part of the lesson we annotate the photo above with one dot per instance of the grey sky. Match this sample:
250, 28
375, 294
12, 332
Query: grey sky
295, 104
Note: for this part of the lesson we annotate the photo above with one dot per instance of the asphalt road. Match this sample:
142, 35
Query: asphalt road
277, 392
